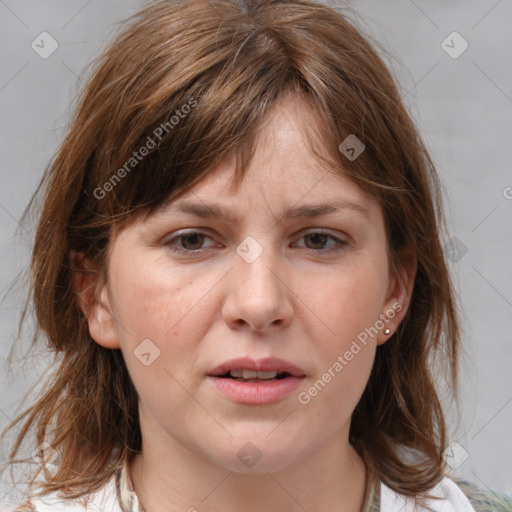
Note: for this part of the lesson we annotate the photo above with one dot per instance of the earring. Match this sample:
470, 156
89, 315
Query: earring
387, 331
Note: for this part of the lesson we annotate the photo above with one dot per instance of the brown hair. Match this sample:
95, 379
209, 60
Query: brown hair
229, 62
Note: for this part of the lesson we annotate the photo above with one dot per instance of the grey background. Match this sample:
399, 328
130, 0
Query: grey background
463, 107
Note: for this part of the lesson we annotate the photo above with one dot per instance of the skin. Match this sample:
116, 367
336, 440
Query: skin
299, 300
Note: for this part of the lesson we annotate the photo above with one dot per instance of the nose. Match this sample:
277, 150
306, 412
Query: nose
258, 295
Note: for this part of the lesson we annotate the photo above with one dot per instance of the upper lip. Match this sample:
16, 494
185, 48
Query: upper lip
268, 364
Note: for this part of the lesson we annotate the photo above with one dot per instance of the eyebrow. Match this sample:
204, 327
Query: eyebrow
307, 211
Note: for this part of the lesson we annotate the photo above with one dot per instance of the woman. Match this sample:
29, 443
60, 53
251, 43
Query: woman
239, 264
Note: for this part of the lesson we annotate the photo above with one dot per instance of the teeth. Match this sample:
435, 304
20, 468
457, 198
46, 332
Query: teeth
252, 374
266, 375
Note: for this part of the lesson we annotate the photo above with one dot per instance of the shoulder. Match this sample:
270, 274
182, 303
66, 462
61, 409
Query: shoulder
484, 500
448, 496
103, 500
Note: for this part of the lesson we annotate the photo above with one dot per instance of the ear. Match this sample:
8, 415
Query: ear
399, 294
93, 298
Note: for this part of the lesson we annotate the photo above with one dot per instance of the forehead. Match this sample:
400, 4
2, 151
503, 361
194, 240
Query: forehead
283, 169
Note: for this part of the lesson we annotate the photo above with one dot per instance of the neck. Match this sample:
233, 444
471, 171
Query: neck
178, 479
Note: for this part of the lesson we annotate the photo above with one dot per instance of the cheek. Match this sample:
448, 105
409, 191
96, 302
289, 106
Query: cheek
334, 395
346, 307
160, 300
347, 302
167, 314
166, 307
343, 356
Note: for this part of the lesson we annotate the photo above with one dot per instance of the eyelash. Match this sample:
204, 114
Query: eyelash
180, 250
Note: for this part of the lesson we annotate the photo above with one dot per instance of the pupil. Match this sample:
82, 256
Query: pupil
318, 238
195, 237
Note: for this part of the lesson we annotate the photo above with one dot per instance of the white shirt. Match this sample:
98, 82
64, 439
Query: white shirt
106, 500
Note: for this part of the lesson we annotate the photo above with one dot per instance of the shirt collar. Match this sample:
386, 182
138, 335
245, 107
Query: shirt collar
128, 500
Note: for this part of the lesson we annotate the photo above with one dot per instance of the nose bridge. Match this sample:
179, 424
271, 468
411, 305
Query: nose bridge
258, 294
257, 264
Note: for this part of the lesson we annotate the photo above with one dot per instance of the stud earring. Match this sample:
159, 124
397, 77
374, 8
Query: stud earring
387, 331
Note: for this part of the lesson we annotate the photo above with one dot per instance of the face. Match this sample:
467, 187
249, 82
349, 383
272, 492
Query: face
277, 281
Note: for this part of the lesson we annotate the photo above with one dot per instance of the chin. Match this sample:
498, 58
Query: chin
257, 455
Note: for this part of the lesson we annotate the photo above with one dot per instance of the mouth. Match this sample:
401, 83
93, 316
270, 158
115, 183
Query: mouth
262, 369
246, 381
244, 375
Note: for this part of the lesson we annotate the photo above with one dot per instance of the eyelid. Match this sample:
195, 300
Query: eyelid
341, 243
322, 231
182, 233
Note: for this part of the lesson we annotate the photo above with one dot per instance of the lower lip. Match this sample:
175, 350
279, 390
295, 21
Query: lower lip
256, 393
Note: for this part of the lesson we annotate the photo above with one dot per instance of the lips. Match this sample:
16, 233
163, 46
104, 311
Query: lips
261, 382
247, 368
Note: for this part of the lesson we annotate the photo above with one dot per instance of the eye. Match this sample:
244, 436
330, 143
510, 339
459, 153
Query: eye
193, 242
187, 242
319, 239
